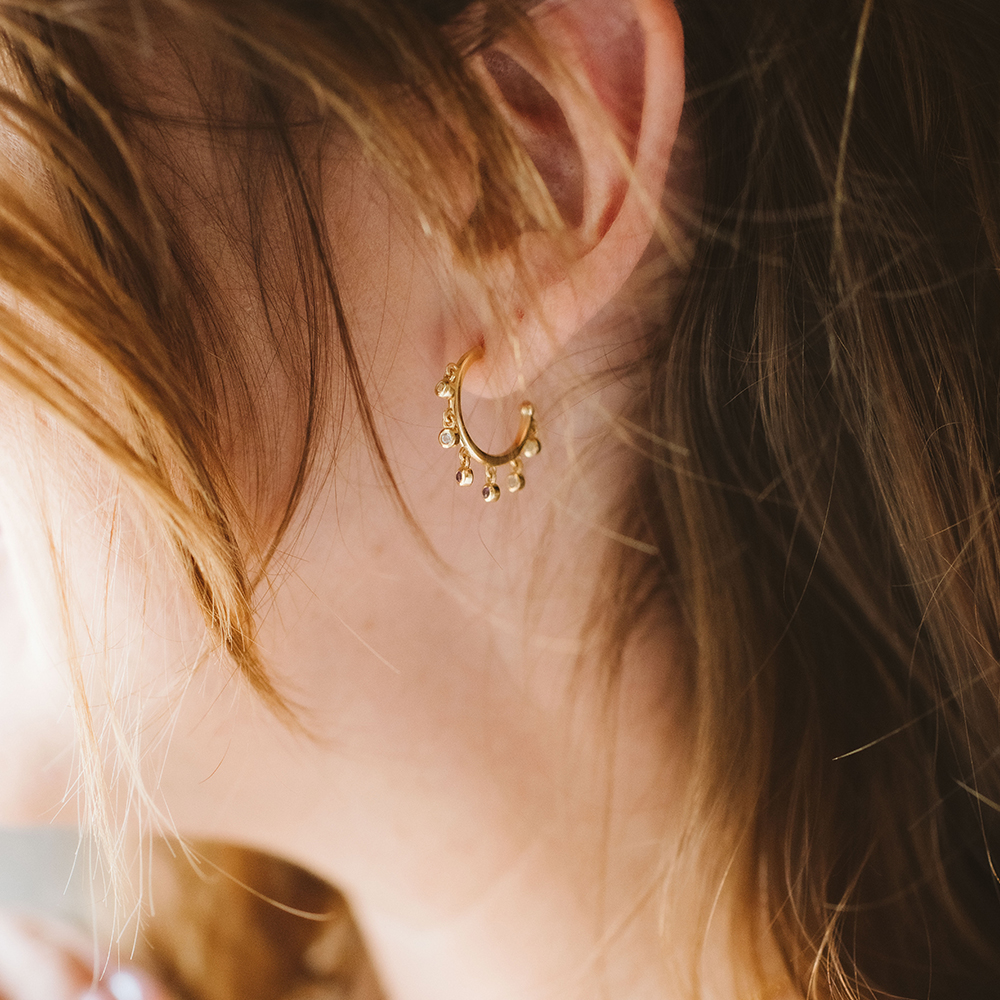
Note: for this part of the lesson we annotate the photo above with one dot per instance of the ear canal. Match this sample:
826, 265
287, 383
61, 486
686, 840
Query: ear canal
541, 127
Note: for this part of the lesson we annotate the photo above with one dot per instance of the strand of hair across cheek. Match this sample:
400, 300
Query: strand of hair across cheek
826, 381
116, 329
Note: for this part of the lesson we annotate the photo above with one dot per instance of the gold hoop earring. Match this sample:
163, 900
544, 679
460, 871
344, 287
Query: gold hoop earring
454, 432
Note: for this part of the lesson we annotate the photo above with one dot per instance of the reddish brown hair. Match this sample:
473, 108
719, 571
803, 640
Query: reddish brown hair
824, 386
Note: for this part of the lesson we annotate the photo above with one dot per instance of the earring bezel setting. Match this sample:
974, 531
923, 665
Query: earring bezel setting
455, 432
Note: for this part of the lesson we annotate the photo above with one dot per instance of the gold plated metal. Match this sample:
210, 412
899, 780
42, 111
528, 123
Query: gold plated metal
454, 432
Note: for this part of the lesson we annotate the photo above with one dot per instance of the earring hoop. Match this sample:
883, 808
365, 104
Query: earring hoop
454, 432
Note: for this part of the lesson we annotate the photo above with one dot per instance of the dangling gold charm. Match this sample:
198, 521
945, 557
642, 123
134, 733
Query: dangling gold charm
454, 432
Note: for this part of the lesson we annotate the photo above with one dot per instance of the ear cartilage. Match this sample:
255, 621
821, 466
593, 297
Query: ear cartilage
454, 432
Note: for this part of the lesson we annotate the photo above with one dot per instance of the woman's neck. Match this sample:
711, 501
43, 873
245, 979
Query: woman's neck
499, 803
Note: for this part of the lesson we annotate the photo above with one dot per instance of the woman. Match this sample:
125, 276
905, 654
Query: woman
709, 707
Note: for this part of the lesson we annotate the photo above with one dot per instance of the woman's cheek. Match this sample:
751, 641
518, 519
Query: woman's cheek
36, 721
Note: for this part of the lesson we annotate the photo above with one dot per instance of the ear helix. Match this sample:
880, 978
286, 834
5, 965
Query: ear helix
454, 432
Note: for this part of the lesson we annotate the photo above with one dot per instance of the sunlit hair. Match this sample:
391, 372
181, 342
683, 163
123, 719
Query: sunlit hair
817, 470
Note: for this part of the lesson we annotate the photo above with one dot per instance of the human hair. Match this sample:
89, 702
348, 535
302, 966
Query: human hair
816, 446
832, 370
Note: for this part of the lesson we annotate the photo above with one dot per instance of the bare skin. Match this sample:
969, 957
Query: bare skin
43, 961
497, 813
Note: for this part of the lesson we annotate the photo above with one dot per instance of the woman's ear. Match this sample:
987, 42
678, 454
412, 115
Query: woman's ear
599, 120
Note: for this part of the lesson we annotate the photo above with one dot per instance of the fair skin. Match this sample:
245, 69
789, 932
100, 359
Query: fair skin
498, 816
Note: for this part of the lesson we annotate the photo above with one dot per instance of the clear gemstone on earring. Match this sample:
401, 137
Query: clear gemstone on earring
531, 448
464, 477
491, 493
515, 482
447, 438
445, 389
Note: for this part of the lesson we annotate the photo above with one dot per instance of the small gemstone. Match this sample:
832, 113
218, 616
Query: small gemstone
445, 389
531, 448
515, 482
464, 477
491, 493
447, 438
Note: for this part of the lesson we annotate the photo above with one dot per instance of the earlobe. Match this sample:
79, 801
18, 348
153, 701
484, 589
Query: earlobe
599, 120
